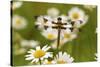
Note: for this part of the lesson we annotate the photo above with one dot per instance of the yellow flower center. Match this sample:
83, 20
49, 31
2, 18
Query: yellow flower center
61, 62
75, 15
50, 36
39, 53
18, 22
67, 36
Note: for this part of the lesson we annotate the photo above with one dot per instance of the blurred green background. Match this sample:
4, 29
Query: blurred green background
82, 49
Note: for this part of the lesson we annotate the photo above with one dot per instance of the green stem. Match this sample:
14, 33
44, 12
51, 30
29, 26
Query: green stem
40, 61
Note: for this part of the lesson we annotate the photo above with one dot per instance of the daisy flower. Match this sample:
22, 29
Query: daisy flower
49, 62
19, 22
62, 58
16, 5
89, 7
53, 12
38, 54
50, 34
77, 16
68, 35
19, 51
29, 43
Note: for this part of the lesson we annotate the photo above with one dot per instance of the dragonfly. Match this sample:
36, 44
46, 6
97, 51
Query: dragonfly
59, 25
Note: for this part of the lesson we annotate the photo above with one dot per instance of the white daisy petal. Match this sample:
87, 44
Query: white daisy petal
29, 58
31, 51
64, 54
38, 48
33, 61
72, 59
36, 60
96, 56
49, 54
44, 47
60, 54
42, 58
28, 55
